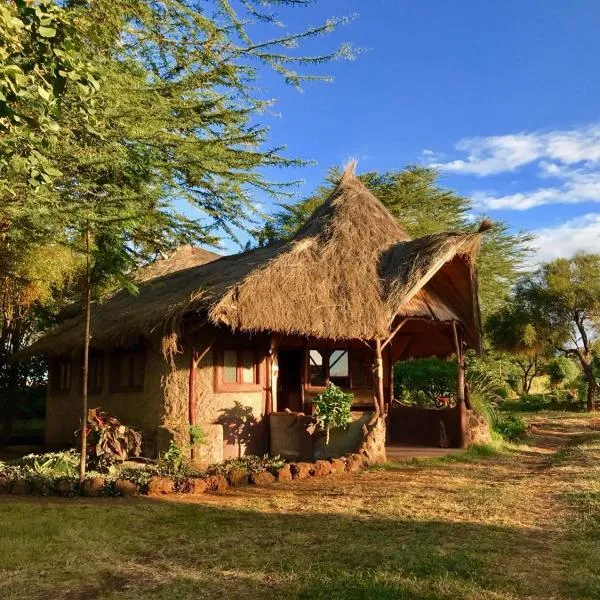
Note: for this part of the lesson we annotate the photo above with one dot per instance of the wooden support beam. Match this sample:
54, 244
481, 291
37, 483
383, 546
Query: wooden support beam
379, 377
460, 389
393, 334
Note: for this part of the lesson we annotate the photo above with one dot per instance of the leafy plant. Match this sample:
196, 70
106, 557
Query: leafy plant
109, 442
483, 395
561, 371
197, 436
332, 409
254, 464
510, 427
174, 460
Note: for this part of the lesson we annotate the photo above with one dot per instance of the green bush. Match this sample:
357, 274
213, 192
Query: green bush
561, 371
332, 409
425, 382
510, 427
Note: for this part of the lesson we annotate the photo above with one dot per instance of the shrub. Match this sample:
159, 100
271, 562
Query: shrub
332, 409
425, 381
174, 461
561, 371
109, 442
483, 395
254, 464
510, 427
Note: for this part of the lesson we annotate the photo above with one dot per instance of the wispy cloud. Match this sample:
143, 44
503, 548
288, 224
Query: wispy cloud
567, 161
577, 235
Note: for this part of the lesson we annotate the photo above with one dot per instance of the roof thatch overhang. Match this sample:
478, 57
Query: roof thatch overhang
347, 274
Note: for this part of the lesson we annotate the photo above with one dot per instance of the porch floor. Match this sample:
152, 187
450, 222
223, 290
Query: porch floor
402, 453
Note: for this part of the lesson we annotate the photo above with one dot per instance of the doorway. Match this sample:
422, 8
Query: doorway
289, 382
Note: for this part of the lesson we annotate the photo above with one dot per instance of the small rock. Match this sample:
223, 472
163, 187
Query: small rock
216, 483
66, 487
20, 487
302, 470
158, 486
322, 468
41, 487
262, 478
355, 462
238, 477
196, 486
93, 487
126, 487
284, 473
337, 465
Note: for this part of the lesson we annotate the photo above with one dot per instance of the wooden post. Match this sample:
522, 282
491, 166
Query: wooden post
379, 377
460, 390
192, 394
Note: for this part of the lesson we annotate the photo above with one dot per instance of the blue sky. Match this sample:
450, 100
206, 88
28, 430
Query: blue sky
503, 97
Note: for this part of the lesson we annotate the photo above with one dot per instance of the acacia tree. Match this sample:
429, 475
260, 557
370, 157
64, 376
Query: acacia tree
512, 330
421, 206
563, 296
174, 118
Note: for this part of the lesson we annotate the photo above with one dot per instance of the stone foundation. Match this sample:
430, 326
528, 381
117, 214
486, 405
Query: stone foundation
478, 430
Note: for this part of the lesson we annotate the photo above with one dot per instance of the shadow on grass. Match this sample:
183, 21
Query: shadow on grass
161, 549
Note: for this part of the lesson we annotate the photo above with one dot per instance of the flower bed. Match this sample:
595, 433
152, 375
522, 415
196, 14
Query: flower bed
55, 474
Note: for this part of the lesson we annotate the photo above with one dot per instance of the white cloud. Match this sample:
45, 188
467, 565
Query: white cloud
570, 157
565, 240
498, 154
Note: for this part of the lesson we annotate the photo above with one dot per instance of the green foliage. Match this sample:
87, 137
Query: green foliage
197, 436
483, 395
332, 409
563, 298
42, 58
425, 382
254, 464
421, 206
109, 442
561, 371
510, 427
174, 461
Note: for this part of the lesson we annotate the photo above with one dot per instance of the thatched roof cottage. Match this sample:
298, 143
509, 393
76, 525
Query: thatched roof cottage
224, 342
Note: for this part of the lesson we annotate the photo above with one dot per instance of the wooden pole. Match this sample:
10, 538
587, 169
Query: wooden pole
460, 390
86, 357
192, 395
379, 376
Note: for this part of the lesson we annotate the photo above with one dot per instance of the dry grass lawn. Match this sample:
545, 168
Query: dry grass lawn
524, 523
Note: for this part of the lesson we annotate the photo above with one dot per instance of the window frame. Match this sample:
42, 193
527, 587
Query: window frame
220, 385
326, 354
56, 376
116, 358
95, 367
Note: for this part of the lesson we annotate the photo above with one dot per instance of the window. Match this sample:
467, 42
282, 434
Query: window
95, 372
237, 369
61, 376
127, 370
350, 369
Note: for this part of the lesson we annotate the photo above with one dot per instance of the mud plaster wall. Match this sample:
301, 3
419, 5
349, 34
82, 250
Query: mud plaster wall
213, 410
142, 410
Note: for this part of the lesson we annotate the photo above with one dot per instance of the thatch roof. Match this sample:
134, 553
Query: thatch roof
346, 274
184, 257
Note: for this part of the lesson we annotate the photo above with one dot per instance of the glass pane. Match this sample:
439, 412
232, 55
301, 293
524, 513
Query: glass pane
230, 366
338, 368
316, 368
248, 366
137, 365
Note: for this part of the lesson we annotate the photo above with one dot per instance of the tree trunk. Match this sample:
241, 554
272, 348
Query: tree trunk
86, 356
591, 389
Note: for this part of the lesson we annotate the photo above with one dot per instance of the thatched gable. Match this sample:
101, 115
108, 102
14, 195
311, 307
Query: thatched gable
346, 274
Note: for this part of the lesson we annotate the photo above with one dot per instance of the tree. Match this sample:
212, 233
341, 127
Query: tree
421, 206
512, 329
174, 118
42, 56
563, 297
